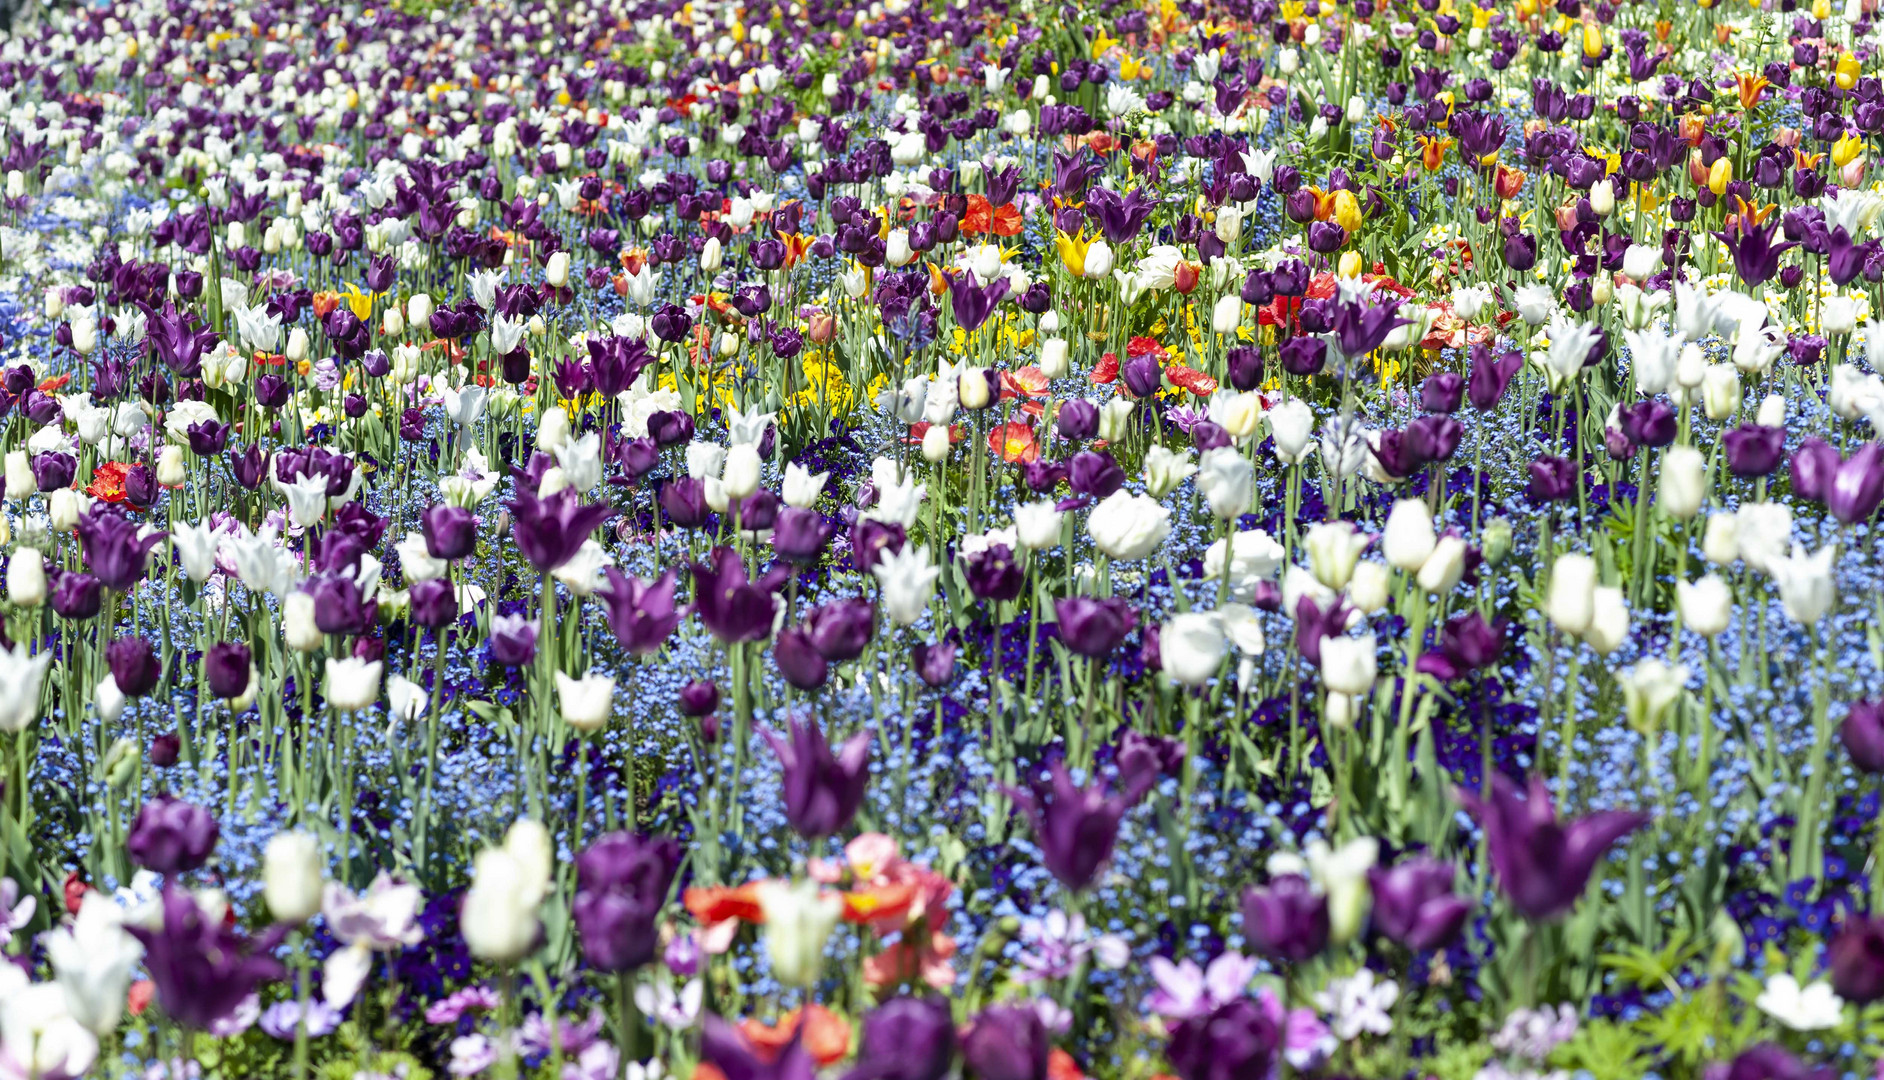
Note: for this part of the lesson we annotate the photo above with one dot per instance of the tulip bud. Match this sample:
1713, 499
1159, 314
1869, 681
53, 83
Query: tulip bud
297, 344
291, 877
1408, 539
556, 271
171, 472
1705, 606
419, 309
67, 505
121, 758
297, 623
1053, 358
1098, 260
20, 481
1113, 416
799, 918
1609, 620
1348, 665
1720, 544
1682, 485
1720, 392
935, 444
1772, 411
1571, 602
1368, 588
741, 472
974, 391
1445, 567
552, 431
26, 578
1603, 198
1227, 315
393, 322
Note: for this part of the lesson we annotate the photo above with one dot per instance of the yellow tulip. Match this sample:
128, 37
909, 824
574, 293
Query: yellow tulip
1073, 251
1846, 149
1846, 72
1350, 264
1347, 210
1592, 39
1719, 175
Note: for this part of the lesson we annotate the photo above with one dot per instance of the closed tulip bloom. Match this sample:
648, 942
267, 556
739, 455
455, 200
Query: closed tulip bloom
1348, 665
1863, 735
1814, 465
1235, 1040
135, 666
586, 703
352, 683
26, 578
798, 660
1008, 1042
822, 789
1856, 958
799, 918
1753, 450
508, 883
841, 629
292, 872
451, 532
1543, 865
1682, 484
622, 882
1227, 481
1609, 620
1571, 601
1706, 606
1409, 539
906, 1038
1858, 486
22, 674
1191, 647
171, 836
1127, 526
1288, 920
1093, 628
1074, 827
229, 666
1414, 904
1333, 549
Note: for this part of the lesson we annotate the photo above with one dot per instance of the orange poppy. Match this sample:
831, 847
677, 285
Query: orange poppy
826, 1036
1015, 442
1106, 370
1061, 1066
906, 962
879, 902
1029, 381
55, 383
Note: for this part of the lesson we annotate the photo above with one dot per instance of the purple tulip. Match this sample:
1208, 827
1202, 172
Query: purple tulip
227, 664
451, 532
993, 573
934, 663
1414, 904
1442, 392
1485, 386
134, 666
171, 836
642, 615
905, 1038
822, 789
1234, 1041
1078, 419
1286, 921
1095, 473
513, 640
842, 628
733, 608
76, 595
1814, 465
799, 534
728, 1051
203, 968
1143, 760
1075, 827
1769, 1062
1858, 485
1093, 628
699, 698
434, 603
1007, 1042
549, 531
1543, 865
1142, 375
1553, 479
798, 659
622, 882
339, 605
1863, 735
1754, 450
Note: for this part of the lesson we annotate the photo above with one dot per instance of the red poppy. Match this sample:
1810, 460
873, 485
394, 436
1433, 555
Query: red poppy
1106, 370
1191, 379
1144, 346
108, 482
54, 384
984, 217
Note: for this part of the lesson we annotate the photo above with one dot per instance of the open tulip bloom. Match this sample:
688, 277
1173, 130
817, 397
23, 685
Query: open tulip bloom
752, 541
